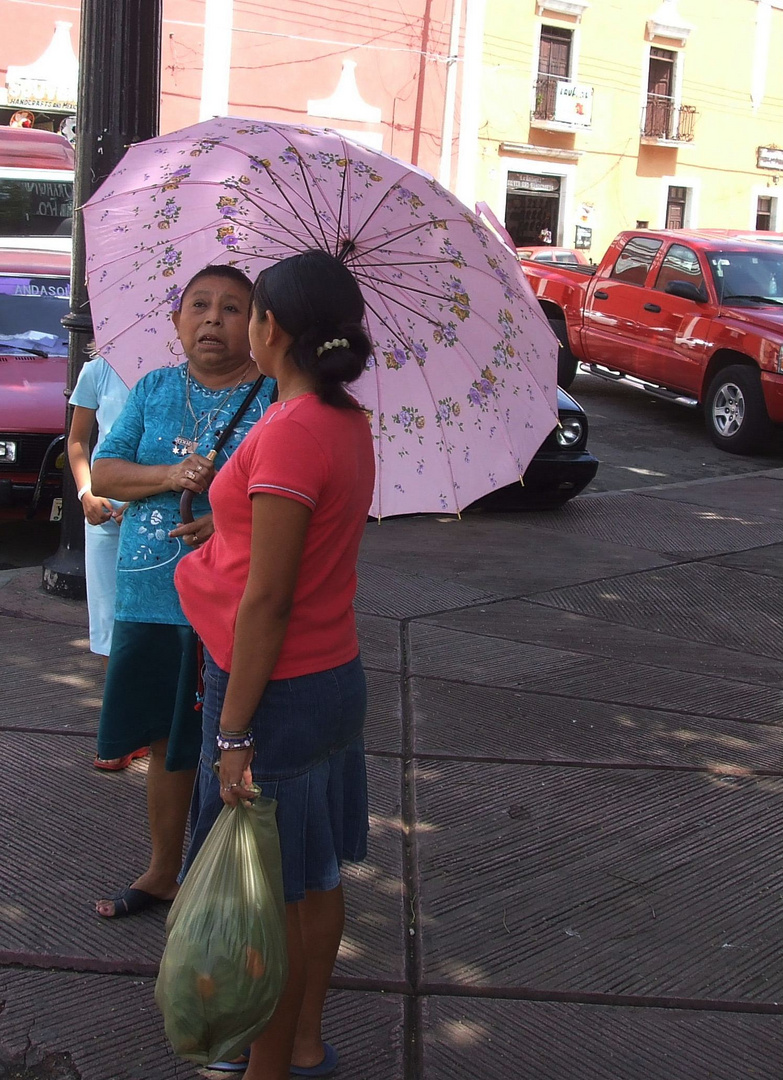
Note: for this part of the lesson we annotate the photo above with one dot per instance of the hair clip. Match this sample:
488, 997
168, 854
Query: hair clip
335, 343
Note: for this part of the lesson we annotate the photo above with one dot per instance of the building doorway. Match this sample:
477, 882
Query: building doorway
676, 204
532, 208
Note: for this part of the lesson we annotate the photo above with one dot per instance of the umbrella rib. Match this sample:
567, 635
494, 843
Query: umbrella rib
406, 307
265, 209
303, 171
398, 334
343, 187
446, 441
297, 215
393, 240
379, 204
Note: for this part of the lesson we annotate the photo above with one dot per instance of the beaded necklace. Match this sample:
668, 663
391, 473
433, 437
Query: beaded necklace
182, 446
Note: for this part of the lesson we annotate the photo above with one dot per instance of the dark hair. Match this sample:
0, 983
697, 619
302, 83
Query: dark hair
316, 299
219, 270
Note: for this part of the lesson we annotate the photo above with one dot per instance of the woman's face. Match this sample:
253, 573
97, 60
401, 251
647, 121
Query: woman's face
212, 324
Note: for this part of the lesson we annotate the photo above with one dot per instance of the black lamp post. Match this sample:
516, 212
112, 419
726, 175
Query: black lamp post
118, 104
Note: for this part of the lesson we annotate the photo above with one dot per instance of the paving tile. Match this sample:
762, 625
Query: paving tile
50, 677
504, 1040
609, 881
109, 1028
21, 594
383, 728
379, 640
373, 944
496, 555
746, 498
522, 620
480, 722
766, 561
89, 837
441, 653
670, 528
704, 602
383, 591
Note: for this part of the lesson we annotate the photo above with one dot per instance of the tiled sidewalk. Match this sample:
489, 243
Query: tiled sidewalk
576, 768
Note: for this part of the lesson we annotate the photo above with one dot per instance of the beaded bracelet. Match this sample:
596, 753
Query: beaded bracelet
234, 742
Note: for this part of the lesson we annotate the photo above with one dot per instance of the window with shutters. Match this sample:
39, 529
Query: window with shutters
764, 213
554, 66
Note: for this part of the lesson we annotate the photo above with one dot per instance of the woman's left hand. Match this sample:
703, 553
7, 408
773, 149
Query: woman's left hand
235, 776
197, 532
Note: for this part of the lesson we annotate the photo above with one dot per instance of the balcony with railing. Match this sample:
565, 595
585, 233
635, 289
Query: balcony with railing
664, 122
561, 105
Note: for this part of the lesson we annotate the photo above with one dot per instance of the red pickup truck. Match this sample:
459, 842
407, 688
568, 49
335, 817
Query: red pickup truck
692, 317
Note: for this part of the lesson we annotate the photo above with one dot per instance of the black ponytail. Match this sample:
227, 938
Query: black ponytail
317, 300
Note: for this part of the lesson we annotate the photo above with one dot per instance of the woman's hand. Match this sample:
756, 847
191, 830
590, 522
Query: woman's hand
119, 513
97, 510
197, 532
194, 473
235, 775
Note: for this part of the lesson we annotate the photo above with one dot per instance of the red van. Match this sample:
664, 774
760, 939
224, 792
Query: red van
36, 208
34, 296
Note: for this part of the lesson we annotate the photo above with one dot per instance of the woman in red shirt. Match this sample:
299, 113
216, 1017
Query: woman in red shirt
271, 596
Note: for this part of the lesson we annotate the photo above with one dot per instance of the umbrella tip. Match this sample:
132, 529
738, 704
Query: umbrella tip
345, 250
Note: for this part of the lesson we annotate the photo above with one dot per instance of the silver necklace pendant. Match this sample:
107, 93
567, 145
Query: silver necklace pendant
182, 446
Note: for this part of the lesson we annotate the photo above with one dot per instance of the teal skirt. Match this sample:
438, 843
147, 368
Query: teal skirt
151, 693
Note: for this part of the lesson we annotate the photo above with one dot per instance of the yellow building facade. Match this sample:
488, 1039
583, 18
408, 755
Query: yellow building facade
602, 115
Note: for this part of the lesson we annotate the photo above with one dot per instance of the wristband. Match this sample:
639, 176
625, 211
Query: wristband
82, 491
240, 742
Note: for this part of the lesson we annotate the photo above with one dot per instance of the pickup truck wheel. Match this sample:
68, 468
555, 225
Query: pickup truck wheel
567, 363
735, 412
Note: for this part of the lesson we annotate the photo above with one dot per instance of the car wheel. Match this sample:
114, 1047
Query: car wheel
735, 412
567, 363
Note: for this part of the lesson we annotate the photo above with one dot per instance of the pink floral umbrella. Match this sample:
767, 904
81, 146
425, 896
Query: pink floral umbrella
462, 388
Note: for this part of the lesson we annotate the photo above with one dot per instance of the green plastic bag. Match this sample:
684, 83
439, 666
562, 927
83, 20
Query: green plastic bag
225, 963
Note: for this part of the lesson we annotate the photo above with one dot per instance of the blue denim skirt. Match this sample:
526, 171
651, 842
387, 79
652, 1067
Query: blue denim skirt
309, 757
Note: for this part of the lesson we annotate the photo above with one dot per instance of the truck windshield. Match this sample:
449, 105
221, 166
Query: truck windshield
30, 312
748, 277
35, 207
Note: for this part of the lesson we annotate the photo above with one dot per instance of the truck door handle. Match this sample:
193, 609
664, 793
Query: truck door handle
601, 295
652, 307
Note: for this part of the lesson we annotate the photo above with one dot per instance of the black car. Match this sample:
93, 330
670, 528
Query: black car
560, 470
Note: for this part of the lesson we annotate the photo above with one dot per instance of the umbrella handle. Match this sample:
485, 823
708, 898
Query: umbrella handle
186, 501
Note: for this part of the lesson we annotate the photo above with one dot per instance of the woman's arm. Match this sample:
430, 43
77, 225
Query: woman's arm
127, 480
278, 538
96, 509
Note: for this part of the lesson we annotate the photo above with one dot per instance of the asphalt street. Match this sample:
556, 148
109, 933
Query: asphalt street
640, 441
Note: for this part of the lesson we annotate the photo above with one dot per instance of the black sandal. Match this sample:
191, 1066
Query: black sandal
131, 902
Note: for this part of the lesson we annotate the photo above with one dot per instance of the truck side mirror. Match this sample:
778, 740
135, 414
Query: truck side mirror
686, 290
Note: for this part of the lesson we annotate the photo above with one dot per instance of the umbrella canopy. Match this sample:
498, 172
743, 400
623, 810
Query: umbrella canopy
461, 390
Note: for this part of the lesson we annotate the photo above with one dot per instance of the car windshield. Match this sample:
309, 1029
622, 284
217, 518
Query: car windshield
30, 312
748, 277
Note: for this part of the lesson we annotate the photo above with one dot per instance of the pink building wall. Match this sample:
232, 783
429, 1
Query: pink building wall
285, 53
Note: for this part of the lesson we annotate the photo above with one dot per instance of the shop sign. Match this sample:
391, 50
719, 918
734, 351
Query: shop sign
41, 94
574, 104
547, 185
769, 157
583, 237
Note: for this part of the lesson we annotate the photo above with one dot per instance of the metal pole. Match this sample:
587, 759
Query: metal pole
118, 104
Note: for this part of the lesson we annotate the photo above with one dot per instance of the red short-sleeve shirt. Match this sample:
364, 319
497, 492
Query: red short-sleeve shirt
322, 457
